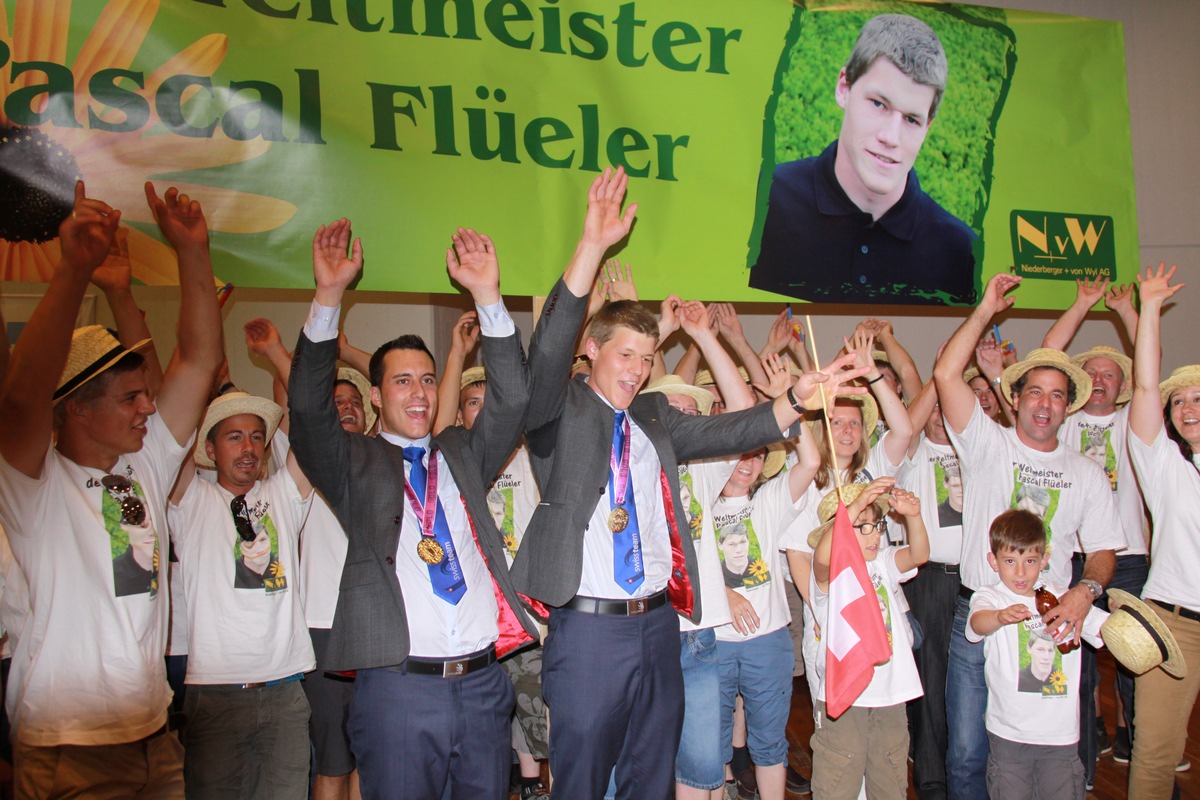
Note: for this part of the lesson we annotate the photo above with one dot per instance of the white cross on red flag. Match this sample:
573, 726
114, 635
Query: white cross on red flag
855, 639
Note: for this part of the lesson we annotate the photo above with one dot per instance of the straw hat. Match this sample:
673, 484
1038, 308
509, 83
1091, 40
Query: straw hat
94, 349
971, 374
1049, 357
705, 378
1117, 357
776, 460
230, 405
673, 384
1184, 376
472, 375
866, 404
364, 388
1138, 637
828, 507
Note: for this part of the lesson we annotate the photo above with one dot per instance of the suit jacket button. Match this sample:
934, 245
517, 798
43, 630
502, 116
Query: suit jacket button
396, 520
602, 488
390, 560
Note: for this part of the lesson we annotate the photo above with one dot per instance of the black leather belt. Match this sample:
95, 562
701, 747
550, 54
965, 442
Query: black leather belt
256, 684
450, 667
617, 608
965, 593
1186, 613
949, 569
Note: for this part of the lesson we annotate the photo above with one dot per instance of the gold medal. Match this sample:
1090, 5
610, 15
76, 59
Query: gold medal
617, 520
430, 551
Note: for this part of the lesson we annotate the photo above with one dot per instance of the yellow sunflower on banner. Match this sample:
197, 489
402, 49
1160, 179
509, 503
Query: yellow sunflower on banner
39, 166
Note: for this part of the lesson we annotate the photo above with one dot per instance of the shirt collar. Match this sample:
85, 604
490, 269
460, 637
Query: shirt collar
831, 199
400, 441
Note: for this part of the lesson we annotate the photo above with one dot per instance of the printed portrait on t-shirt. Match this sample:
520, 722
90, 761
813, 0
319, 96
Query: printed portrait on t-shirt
742, 562
134, 542
500, 504
1039, 662
256, 563
691, 506
949, 484
1095, 442
885, 605
1039, 500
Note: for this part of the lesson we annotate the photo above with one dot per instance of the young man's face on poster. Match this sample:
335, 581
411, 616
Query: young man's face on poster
884, 125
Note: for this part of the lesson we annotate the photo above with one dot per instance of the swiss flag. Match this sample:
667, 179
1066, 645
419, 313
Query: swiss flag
855, 639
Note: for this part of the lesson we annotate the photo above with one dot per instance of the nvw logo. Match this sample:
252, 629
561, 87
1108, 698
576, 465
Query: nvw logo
1055, 245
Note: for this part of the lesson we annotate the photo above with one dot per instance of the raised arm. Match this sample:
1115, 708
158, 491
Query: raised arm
357, 358
1145, 409
693, 316
263, 339
807, 392
603, 227
730, 327
37, 361
919, 412
900, 429
1087, 294
200, 350
805, 469
898, 357
463, 339
955, 396
1120, 300
820, 561
113, 278
916, 553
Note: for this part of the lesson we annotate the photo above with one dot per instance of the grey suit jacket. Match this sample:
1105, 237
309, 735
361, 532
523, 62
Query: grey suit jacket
362, 478
569, 433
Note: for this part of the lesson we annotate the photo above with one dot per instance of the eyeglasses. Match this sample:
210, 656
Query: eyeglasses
241, 518
867, 528
120, 488
691, 412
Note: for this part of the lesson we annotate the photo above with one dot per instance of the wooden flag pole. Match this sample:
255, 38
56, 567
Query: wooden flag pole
812, 342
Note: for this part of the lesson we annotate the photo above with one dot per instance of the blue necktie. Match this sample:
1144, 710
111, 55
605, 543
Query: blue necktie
628, 569
447, 578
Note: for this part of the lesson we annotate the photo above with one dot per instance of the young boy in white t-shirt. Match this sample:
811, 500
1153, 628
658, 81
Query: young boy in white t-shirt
1033, 689
869, 741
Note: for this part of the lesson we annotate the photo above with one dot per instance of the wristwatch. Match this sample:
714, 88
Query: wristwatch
1094, 587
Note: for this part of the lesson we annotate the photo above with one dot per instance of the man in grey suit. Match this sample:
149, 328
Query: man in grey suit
604, 546
426, 604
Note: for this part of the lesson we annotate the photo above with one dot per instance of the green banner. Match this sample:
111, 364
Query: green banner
415, 117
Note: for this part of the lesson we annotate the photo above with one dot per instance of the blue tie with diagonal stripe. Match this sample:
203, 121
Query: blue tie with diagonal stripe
628, 570
447, 578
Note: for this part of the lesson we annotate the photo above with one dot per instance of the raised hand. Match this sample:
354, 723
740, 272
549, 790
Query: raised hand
862, 345
873, 491
262, 337
605, 225
904, 503
1090, 291
333, 269
1154, 286
620, 284
779, 335
87, 235
472, 264
1119, 298
116, 271
834, 378
881, 328
179, 217
779, 377
465, 334
995, 293
598, 296
694, 318
989, 357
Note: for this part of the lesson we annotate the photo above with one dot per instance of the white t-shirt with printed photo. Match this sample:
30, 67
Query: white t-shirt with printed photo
245, 619
88, 668
1033, 689
896, 680
1172, 490
752, 563
924, 474
1104, 439
700, 485
511, 500
1067, 489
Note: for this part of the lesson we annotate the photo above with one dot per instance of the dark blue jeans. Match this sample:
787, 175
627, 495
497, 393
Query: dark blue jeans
1130, 576
932, 595
966, 702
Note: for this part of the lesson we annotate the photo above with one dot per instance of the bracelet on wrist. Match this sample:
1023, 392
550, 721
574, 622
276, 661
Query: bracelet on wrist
791, 398
875, 380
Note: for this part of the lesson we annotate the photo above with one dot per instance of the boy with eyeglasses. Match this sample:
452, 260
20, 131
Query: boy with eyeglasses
87, 454
237, 539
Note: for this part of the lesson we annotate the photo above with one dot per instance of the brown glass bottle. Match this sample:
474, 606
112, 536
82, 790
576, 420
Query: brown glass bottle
1045, 600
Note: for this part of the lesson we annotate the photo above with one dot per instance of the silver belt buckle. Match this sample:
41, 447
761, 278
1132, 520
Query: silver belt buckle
453, 669
637, 607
